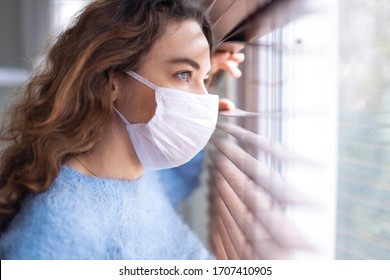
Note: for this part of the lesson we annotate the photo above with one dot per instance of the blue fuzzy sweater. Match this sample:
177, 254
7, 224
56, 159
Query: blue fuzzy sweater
83, 217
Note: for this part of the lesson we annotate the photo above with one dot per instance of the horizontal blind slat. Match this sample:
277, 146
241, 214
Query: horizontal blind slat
259, 143
239, 241
238, 193
218, 245
227, 14
252, 246
230, 249
272, 16
263, 244
259, 173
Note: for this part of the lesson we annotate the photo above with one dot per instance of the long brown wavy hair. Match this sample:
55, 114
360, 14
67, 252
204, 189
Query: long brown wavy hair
67, 105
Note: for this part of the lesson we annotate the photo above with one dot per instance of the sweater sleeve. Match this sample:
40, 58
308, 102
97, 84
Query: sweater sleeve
50, 227
178, 183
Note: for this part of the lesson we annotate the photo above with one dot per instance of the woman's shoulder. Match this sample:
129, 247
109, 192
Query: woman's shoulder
72, 219
63, 222
67, 193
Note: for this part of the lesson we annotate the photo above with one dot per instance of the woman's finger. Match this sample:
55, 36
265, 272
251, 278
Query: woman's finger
226, 104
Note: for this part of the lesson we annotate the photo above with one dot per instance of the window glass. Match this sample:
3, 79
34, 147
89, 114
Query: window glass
363, 225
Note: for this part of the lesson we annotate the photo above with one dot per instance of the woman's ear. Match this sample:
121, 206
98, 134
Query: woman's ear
114, 82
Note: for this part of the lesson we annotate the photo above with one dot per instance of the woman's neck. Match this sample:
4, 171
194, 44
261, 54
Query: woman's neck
113, 157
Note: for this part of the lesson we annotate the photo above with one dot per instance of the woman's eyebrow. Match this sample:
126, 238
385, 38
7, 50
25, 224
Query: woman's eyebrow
185, 60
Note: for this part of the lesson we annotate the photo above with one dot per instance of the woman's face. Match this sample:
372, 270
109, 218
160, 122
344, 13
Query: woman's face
179, 59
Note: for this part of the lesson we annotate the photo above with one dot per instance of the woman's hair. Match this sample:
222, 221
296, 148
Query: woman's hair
67, 105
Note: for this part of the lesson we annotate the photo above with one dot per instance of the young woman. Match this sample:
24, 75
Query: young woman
122, 90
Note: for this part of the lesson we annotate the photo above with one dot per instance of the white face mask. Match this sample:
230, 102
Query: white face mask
181, 127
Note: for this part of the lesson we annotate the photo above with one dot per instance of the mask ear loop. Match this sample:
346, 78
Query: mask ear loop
121, 116
141, 79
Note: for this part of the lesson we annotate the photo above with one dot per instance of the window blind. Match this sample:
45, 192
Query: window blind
235, 21
251, 192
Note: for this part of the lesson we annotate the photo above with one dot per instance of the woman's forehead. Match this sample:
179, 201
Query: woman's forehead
182, 39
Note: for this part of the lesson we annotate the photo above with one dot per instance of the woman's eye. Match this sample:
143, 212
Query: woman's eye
184, 76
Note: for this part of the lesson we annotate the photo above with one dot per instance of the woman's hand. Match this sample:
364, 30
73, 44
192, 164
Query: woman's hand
228, 61
226, 105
